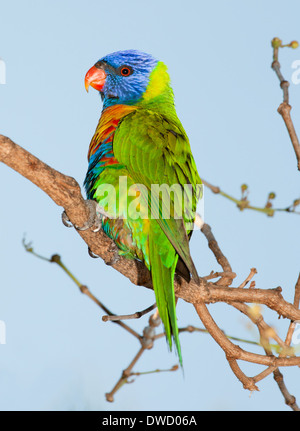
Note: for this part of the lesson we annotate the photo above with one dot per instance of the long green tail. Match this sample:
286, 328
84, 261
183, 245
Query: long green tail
163, 284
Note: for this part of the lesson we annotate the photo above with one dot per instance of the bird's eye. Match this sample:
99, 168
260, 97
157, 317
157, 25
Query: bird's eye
126, 71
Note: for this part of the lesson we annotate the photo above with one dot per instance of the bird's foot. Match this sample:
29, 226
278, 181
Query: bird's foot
112, 249
93, 255
94, 220
115, 257
65, 219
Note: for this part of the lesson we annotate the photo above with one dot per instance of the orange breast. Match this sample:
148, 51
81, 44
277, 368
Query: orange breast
106, 128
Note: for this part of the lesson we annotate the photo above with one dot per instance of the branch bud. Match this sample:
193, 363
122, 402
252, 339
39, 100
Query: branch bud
294, 44
276, 42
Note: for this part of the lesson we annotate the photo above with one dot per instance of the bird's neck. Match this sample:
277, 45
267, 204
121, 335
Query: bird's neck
107, 125
157, 97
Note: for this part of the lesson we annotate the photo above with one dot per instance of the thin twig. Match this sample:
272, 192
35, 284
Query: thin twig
290, 400
253, 271
243, 203
296, 304
136, 315
123, 379
148, 341
285, 108
158, 370
219, 255
83, 288
224, 274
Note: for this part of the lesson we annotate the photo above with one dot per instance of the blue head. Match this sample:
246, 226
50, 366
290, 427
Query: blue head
121, 77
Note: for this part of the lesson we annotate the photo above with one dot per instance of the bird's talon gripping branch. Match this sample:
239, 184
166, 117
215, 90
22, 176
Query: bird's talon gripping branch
114, 259
93, 255
115, 255
97, 224
65, 219
92, 216
93, 220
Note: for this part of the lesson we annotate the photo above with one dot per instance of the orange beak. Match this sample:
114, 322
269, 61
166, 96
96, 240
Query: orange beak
95, 78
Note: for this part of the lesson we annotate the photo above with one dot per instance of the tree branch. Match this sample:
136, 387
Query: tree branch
244, 204
65, 192
285, 108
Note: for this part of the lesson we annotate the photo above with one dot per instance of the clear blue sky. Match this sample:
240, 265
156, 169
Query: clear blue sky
59, 354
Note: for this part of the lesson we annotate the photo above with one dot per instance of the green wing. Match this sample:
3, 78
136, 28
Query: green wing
155, 150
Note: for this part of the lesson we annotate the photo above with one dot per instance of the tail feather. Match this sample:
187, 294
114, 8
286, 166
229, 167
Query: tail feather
163, 284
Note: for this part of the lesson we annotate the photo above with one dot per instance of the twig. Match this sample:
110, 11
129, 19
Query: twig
290, 400
123, 379
148, 340
83, 288
191, 328
296, 305
233, 352
141, 373
253, 271
297, 293
136, 315
284, 108
227, 274
243, 203
220, 257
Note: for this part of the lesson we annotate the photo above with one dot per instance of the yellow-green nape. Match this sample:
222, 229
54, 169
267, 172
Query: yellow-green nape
159, 81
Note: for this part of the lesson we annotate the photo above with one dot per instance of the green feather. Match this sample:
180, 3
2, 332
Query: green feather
141, 140
163, 285
157, 151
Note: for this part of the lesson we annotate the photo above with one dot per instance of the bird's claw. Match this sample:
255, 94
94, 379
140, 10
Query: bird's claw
65, 219
93, 220
114, 249
93, 255
114, 260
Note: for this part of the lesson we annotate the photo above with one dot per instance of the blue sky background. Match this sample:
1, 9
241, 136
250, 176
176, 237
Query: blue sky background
59, 354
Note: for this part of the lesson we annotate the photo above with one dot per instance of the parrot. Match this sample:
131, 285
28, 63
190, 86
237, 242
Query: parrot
141, 172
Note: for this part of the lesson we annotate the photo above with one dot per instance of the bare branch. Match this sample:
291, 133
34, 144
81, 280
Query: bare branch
253, 271
136, 315
290, 400
65, 192
243, 203
284, 108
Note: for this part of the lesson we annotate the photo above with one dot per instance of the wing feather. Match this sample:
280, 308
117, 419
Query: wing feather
157, 151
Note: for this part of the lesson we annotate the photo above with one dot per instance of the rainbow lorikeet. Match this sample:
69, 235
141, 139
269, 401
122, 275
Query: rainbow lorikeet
139, 142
